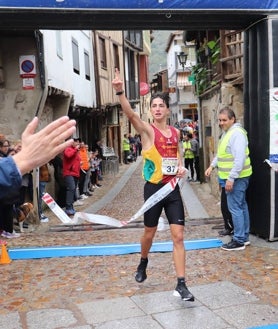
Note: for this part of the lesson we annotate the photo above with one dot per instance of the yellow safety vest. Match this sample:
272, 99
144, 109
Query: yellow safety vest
126, 145
225, 160
188, 154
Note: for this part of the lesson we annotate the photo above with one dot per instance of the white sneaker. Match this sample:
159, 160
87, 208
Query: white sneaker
78, 203
44, 219
83, 196
9, 235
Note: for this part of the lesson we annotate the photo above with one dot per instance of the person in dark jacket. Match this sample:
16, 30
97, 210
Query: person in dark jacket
6, 206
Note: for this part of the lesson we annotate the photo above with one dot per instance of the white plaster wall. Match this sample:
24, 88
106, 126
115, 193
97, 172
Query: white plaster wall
181, 95
60, 68
172, 66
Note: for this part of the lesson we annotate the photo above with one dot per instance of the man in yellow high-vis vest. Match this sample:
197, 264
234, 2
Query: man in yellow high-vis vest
188, 155
234, 171
126, 148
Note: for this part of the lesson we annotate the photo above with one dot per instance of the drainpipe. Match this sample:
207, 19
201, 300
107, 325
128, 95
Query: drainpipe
96, 69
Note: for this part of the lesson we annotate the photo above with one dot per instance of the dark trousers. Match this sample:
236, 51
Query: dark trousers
197, 167
82, 181
6, 217
188, 163
126, 154
94, 177
228, 222
71, 184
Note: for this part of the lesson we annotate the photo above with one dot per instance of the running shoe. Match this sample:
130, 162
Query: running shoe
184, 293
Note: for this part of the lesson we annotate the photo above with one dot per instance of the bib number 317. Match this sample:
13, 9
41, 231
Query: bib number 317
169, 166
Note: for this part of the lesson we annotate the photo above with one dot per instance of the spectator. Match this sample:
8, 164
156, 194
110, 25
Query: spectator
187, 129
188, 155
84, 168
4, 148
88, 174
95, 161
195, 148
99, 148
60, 187
17, 146
131, 139
71, 173
138, 144
6, 205
234, 171
126, 148
44, 178
11, 152
26, 190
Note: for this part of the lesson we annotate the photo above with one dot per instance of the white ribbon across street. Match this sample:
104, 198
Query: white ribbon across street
80, 217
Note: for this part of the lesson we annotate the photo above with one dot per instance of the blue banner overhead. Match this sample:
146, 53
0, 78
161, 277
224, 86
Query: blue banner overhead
144, 4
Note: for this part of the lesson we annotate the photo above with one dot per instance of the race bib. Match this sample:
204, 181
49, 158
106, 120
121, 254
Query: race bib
169, 166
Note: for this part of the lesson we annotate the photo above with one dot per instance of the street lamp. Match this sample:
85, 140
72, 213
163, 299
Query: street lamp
182, 57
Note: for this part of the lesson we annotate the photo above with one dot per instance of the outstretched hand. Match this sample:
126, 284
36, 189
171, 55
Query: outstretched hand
117, 83
40, 147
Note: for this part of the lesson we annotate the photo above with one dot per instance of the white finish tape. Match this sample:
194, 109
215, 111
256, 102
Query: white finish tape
80, 217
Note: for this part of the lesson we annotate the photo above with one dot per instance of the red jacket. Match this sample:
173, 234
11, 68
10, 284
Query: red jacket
71, 162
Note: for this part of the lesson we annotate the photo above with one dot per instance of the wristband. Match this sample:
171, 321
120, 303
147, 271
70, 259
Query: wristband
118, 93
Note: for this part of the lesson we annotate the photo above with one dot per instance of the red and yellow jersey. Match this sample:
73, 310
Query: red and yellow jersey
162, 157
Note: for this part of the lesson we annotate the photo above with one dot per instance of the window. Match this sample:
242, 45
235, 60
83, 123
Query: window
135, 37
116, 56
87, 65
59, 49
75, 56
102, 53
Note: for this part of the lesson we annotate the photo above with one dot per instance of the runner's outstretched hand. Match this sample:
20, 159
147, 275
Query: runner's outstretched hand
117, 83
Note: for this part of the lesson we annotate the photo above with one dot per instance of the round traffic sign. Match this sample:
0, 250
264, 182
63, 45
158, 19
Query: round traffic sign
27, 66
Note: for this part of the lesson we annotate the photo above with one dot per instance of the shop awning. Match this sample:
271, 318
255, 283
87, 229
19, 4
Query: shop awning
182, 80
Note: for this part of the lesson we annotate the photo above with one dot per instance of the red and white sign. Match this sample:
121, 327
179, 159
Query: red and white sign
27, 66
144, 88
28, 84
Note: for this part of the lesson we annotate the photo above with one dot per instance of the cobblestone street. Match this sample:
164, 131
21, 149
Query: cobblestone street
34, 284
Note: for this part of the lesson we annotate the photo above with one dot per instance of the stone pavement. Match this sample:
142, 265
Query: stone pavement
232, 289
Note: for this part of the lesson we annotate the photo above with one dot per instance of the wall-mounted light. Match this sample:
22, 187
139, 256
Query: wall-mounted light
182, 57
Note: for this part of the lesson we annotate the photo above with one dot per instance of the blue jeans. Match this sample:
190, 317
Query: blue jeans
71, 184
239, 209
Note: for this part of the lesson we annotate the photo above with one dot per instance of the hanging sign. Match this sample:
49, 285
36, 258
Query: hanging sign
144, 88
27, 66
28, 84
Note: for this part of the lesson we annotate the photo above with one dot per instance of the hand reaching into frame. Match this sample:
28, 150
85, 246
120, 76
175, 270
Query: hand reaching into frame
40, 147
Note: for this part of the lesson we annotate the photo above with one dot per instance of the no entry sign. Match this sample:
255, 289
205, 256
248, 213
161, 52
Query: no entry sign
27, 66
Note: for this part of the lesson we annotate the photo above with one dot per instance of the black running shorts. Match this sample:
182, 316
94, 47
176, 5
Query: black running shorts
172, 205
